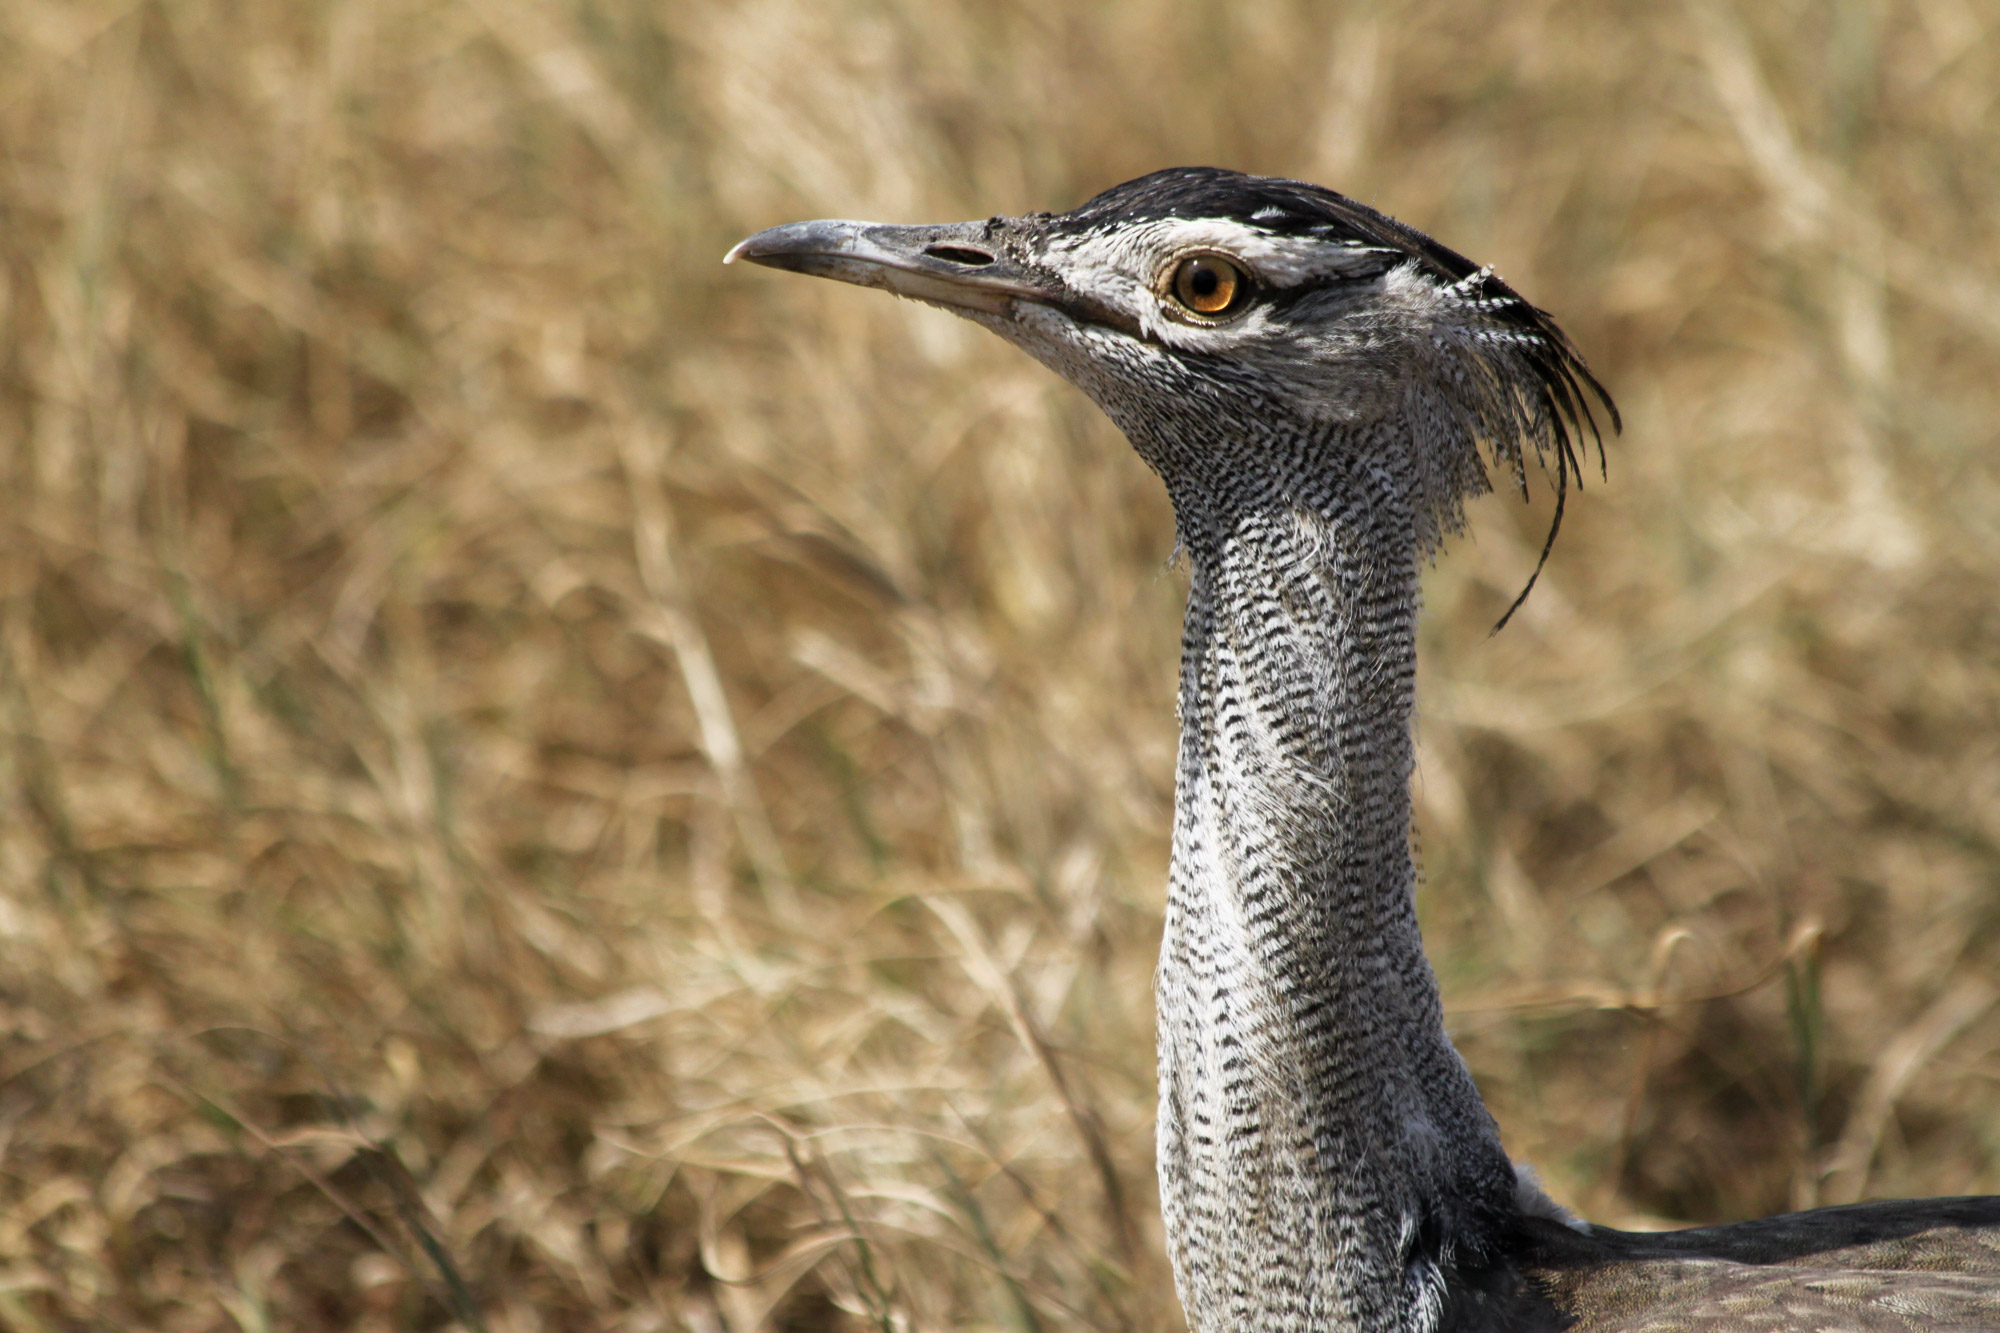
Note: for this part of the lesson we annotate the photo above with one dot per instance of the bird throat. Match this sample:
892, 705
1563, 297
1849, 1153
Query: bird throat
1324, 1157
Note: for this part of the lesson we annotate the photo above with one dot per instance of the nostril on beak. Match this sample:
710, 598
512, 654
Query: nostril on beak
959, 254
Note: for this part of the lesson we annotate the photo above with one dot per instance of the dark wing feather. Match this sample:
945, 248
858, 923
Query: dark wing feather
1899, 1267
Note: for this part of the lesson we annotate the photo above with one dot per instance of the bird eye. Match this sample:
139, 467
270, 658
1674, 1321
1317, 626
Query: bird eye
1208, 285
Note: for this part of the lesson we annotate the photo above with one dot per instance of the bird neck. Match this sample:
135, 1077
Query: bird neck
1324, 1156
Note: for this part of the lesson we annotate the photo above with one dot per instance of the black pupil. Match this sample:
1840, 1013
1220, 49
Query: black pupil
1205, 280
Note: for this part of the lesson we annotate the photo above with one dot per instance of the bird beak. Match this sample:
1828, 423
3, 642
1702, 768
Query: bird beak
956, 265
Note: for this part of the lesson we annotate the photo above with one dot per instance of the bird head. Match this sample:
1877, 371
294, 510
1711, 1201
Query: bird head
1247, 333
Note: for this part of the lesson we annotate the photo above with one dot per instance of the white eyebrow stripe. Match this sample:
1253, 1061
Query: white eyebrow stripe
1278, 261
1123, 266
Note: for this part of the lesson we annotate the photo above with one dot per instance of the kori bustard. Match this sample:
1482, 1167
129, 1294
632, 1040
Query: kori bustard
1315, 382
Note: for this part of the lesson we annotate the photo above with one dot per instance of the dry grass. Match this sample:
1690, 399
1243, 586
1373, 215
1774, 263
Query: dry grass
548, 784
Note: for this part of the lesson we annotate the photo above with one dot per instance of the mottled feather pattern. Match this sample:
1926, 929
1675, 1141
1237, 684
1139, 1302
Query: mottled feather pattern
1897, 1266
1325, 1160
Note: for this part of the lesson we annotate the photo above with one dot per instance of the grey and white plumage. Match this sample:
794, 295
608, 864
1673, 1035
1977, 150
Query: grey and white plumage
1325, 1160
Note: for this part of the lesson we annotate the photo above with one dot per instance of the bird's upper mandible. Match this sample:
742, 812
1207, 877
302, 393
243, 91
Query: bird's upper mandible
1210, 312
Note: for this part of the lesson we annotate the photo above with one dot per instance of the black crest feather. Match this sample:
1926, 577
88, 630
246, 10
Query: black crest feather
1550, 409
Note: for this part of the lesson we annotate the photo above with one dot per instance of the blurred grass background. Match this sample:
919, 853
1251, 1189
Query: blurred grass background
551, 785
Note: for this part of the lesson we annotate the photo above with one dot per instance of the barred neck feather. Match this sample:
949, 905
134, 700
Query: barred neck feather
1317, 404
1325, 1161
